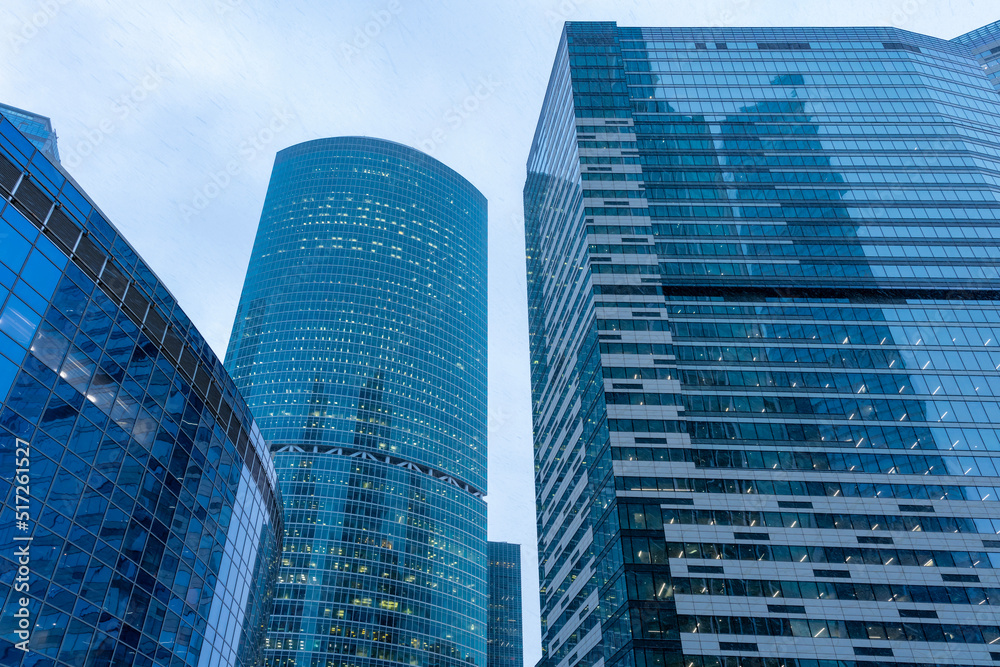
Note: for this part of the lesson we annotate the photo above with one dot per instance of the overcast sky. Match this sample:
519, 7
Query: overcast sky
153, 101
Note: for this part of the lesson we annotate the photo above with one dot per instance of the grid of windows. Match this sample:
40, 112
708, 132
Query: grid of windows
763, 265
360, 344
505, 636
37, 129
985, 45
155, 532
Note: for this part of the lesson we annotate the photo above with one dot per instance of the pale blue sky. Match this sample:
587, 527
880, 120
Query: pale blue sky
169, 114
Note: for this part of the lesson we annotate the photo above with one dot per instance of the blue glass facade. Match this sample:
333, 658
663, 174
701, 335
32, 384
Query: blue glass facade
985, 46
37, 129
505, 633
764, 312
360, 344
130, 469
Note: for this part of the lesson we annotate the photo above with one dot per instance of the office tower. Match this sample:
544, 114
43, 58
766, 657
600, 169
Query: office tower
37, 129
140, 520
985, 46
360, 344
763, 303
504, 636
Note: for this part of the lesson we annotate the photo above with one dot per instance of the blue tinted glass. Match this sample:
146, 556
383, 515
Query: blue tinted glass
18, 321
13, 247
10, 349
103, 510
505, 642
70, 300
19, 142
388, 303
78, 201
763, 329
7, 277
8, 370
53, 177
41, 274
49, 249
35, 300
17, 220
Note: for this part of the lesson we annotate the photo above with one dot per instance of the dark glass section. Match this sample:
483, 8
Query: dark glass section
505, 634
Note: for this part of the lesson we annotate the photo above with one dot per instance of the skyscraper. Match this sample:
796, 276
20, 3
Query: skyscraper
504, 636
37, 129
140, 518
764, 317
360, 344
985, 46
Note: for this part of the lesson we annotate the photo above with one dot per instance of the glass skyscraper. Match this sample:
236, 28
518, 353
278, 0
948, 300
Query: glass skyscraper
140, 521
360, 344
764, 314
985, 45
37, 129
504, 636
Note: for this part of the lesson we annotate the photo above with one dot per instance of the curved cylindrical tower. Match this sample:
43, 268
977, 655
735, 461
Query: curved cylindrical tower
360, 346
